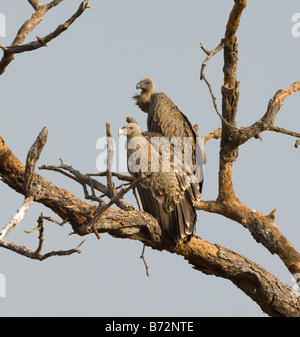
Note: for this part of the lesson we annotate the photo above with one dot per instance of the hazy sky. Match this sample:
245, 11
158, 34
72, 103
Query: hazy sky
87, 77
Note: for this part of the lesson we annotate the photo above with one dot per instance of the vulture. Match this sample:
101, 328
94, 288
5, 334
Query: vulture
165, 193
165, 118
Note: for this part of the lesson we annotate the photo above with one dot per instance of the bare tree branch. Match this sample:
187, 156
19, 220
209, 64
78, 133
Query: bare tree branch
30, 25
284, 131
114, 200
216, 134
34, 254
32, 158
17, 218
62, 202
53, 3
110, 157
266, 123
120, 176
35, 4
267, 291
210, 54
85, 179
144, 260
262, 228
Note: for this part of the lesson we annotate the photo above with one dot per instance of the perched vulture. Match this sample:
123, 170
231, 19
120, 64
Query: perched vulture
164, 193
165, 118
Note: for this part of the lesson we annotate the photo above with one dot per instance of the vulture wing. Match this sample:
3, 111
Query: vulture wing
165, 193
164, 117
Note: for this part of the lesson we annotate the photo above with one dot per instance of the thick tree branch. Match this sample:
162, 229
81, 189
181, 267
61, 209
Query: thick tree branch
62, 202
275, 298
230, 96
234, 21
262, 228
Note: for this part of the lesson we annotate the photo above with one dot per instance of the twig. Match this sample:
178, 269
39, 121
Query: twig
93, 196
33, 255
60, 223
144, 260
16, 219
216, 134
30, 25
114, 174
41, 234
48, 218
284, 131
210, 54
110, 158
38, 253
137, 199
266, 123
85, 179
120, 194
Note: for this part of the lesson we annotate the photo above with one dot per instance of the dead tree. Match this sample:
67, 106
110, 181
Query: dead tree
124, 221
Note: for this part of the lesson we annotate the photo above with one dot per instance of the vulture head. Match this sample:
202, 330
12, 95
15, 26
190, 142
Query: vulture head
146, 85
130, 130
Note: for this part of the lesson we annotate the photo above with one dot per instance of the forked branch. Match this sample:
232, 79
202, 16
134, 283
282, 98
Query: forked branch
40, 11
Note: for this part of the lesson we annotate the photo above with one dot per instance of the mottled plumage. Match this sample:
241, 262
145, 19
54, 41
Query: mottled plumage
165, 118
164, 193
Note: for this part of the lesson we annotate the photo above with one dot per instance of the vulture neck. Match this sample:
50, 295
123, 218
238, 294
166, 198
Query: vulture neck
145, 96
144, 99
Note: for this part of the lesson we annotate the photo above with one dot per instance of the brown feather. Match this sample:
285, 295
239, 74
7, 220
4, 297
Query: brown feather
165, 195
166, 119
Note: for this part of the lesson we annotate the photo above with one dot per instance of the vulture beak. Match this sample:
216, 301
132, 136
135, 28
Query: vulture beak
139, 85
122, 131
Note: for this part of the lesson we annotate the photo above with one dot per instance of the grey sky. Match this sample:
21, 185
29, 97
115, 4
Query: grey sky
85, 78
